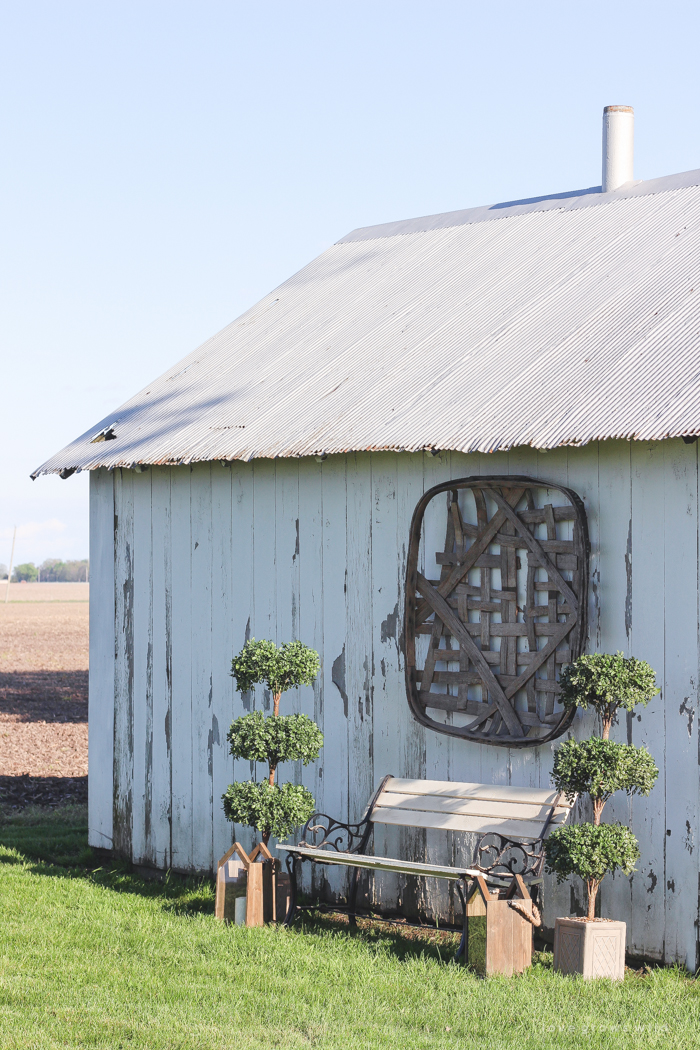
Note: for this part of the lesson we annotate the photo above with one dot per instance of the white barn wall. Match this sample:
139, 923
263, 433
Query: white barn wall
209, 555
159, 792
102, 662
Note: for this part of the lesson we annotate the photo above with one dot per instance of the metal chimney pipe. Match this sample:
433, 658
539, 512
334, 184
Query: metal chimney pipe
618, 146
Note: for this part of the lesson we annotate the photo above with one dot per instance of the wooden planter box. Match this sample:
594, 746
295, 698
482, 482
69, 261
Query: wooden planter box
498, 934
592, 949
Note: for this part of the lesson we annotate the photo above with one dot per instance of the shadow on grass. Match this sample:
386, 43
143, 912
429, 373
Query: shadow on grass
399, 939
54, 842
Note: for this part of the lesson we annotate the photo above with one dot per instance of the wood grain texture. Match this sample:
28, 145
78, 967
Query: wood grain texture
142, 713
385, 646
123, 770
439, 753
334, 758
102, 662
223, 603
520, 829
304, 557
647, 926
353, 860
359, 620
182, 856
242, 610
497, 792
475, 807
681, 697
159, 845
286, 581
202, 570
409, 737
255, 910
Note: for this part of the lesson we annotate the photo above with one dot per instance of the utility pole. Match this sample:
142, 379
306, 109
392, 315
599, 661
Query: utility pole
9, 571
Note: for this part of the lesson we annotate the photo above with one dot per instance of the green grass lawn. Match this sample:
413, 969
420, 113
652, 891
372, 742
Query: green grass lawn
96, 957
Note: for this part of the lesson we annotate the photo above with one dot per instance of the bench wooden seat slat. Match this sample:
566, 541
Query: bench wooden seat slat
468, 806
358, 860
411, 818
494, 792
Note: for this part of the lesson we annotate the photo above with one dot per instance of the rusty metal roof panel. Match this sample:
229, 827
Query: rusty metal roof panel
549, 322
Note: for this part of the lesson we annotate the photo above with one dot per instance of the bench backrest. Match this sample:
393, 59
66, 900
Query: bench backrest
514, 812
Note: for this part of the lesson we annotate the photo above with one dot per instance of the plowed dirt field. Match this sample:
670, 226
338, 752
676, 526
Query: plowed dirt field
43, 689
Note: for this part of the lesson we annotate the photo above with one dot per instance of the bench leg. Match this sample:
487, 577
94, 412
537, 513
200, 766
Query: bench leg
461, 954
352, 897
292, 864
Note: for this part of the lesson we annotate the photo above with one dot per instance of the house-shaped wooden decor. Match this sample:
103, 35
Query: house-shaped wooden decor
252, 876
499, 927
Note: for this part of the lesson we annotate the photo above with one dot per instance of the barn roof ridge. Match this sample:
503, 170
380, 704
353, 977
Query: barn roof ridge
585, 198
578, 323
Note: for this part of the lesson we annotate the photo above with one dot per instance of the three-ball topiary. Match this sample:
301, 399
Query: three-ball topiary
598, 768
270, 808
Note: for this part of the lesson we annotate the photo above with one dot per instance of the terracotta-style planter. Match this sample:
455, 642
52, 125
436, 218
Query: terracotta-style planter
594, 948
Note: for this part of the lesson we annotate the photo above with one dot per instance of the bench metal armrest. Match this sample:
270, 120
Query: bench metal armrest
508, 856
322, 831
501, 856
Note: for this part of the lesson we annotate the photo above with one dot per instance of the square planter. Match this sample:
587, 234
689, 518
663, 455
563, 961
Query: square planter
592, 949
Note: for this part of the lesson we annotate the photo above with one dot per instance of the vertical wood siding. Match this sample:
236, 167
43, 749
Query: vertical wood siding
102, 662
189, 562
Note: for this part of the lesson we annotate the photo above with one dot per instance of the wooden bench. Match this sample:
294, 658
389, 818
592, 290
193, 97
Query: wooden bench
511, 822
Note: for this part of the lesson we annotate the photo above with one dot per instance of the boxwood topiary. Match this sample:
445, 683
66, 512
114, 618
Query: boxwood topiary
591, 851
285, 738
273, 809
270, 808
599, 767
607, 682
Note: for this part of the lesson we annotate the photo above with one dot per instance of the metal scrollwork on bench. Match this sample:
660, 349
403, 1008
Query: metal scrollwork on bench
504, 610
496, 855
324, 831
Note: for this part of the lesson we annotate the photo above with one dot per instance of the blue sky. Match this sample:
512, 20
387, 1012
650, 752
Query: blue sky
167, 164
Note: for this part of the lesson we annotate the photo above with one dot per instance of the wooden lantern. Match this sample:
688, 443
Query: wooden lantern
252, 876
499, 928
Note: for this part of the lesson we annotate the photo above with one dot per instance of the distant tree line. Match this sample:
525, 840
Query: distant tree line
53, 570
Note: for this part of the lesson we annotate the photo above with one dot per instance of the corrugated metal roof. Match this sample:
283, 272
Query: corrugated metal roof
554, 321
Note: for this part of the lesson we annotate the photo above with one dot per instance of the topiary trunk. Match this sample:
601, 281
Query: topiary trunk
592, 887
273, 766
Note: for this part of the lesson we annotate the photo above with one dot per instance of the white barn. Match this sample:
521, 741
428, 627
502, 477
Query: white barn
264, 487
